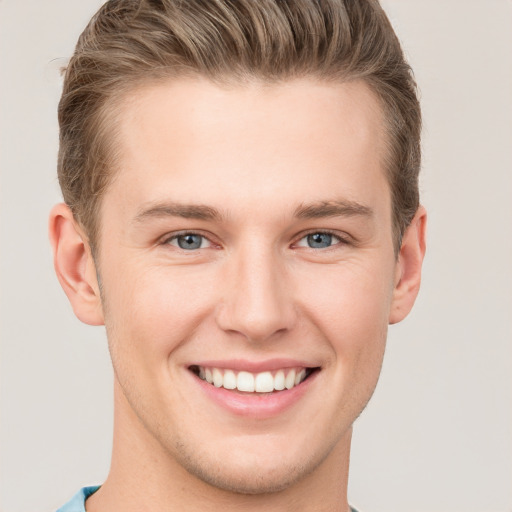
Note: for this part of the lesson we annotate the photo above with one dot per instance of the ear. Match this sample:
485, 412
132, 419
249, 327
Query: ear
408, 267
74, 265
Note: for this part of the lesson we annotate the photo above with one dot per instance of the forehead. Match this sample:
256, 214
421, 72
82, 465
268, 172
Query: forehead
244, 144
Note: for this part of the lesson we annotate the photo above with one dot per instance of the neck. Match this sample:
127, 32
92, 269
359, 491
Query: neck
143, 476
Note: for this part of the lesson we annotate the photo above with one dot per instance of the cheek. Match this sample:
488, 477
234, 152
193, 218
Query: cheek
151, 311
349, 304
355, 297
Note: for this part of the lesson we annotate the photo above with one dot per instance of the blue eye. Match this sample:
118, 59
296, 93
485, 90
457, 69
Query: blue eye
320, 240
189, 241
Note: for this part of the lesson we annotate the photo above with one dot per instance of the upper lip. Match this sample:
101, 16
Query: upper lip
254, 366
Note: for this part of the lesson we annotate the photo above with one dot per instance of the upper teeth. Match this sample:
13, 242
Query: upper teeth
264, 382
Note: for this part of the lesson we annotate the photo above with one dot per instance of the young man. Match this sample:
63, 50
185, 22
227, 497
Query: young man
241, 212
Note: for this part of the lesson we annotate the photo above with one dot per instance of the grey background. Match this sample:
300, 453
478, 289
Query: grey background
437, 435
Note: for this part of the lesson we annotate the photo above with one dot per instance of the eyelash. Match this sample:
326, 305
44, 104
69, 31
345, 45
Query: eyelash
174, 236
341, 240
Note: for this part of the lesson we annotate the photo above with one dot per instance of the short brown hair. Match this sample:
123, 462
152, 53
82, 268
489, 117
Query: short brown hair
133, 42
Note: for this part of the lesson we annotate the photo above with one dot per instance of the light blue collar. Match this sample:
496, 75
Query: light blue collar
77, 502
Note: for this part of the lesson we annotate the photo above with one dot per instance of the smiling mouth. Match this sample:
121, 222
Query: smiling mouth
247, 382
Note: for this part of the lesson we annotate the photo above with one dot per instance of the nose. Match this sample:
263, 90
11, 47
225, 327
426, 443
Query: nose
257, 299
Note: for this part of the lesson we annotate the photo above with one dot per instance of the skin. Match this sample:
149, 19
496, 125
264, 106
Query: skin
261, 156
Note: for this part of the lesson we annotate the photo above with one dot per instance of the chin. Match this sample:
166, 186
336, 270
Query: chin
249, 480
247, 472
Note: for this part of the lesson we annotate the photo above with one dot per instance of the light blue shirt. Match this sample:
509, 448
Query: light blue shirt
77, 502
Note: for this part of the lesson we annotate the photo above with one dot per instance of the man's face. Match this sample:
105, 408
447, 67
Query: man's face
247, 238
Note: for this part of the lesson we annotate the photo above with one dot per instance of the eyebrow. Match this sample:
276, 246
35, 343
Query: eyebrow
171, 209
314, 210
332, 209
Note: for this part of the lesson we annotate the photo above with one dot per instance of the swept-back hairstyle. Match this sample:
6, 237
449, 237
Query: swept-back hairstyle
129, 43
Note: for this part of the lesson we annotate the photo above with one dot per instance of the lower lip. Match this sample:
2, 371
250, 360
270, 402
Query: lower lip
256, 405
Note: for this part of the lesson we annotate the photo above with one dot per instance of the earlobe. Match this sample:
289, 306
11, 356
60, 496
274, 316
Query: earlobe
74, 265
408, 267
